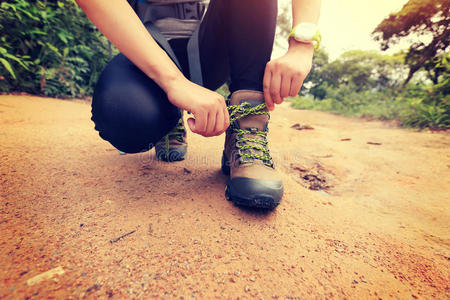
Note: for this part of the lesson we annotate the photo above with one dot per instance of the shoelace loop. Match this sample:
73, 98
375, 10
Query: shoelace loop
242, 143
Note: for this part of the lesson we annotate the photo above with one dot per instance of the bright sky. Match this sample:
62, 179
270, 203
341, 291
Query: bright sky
347, 24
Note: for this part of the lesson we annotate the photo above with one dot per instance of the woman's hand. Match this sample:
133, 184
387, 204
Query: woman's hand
117, 21
208, 107
284, 76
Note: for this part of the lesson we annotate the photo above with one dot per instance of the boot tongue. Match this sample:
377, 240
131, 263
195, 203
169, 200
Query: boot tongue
254, 98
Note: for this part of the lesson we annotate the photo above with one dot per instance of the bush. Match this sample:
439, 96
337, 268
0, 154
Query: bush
49, 48
416, 106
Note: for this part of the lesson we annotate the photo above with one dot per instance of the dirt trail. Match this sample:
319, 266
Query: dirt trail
377, 227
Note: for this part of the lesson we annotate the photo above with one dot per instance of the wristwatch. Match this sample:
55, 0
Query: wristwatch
307, 33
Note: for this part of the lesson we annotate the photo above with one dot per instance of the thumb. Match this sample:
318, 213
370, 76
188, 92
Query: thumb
191, 123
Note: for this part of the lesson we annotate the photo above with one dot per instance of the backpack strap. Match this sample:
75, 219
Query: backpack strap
179, 10
163, 43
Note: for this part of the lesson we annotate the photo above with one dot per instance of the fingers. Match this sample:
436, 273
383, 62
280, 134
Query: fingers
285, 87
226, 115
210, 127
296, 85
201, 121
211, 118
191, 124
275, 88
266, 87
283, 77
276, 85
220, 122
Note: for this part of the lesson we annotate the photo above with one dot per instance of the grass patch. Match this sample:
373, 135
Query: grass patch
410, 112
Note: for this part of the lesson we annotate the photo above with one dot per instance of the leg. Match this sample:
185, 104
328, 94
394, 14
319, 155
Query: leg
236, 41
129, 109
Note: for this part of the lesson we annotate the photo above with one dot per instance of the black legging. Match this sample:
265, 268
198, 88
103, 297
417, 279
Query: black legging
236, 38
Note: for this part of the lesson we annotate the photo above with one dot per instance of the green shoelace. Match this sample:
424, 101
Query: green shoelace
177, 133
242, 143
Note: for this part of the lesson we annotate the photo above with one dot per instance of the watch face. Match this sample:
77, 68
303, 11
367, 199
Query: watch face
305, 32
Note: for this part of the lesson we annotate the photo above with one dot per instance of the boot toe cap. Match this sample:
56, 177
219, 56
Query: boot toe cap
252, 192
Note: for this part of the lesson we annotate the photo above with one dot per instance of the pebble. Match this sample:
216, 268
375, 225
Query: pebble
247, 288
46, 275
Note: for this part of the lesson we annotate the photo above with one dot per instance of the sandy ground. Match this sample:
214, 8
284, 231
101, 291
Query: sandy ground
377, 225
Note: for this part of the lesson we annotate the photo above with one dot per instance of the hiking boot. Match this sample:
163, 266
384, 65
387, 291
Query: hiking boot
173, 146
253, 181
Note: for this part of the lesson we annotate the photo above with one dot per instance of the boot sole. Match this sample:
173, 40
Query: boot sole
260, 201
263, 201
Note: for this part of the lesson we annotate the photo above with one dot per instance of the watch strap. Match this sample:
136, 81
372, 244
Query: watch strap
316, 39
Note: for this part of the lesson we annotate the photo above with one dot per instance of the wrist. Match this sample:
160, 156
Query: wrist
296, 46
168, 80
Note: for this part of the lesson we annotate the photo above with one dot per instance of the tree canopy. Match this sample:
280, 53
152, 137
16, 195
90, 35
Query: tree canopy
419, 19
360, 69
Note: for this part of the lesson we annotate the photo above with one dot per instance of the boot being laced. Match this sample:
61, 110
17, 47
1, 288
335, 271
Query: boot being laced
249, 140
253, 180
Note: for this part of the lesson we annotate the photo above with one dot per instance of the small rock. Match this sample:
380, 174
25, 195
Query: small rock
95, 287
247, 288
46, 275
298, 126
355, 282
252, 278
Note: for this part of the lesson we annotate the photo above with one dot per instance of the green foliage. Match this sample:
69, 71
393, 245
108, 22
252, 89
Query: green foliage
421, 115
361, 70
415, 106
49, 48
365, 84
418, 18
373, 85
